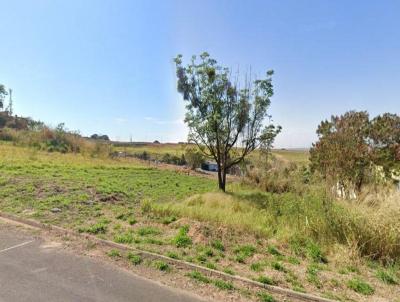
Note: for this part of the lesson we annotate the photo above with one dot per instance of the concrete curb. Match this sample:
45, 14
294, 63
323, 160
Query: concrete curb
177, 263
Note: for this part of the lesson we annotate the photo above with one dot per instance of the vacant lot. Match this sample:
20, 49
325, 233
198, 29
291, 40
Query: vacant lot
274, 238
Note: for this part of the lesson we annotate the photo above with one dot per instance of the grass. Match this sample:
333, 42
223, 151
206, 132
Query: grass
161, 266
218, 245
132, 203
134, 259
114, 253
224, 285
221, 284
360, 286
126, 238
265, 280
273, 250
386, 277
278, 266
97, 228
199, 277
264, 297
148, 230
243, 252
182, 239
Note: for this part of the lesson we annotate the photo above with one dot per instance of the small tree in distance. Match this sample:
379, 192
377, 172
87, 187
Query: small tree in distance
226, 121
3, 93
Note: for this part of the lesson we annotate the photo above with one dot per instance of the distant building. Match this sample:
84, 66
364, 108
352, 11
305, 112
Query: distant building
209, 166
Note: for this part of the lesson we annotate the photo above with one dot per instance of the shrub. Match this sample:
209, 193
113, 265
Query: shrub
194, 157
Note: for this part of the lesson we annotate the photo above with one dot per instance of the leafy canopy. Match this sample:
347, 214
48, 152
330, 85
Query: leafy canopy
226, 120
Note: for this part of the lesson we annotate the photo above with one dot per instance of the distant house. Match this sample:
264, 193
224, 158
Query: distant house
209, 166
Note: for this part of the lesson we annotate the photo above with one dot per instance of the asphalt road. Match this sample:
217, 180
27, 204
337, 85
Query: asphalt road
31, 271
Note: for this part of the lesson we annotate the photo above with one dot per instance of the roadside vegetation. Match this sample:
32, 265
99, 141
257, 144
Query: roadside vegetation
324, 222
296, 238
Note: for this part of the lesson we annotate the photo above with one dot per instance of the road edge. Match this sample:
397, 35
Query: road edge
178, 263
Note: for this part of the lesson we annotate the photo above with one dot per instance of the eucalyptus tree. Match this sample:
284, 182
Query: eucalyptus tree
226, 120
3, 93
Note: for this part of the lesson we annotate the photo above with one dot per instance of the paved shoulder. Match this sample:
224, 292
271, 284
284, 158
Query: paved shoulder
30, 271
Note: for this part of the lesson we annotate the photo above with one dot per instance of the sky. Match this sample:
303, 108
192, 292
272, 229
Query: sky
107, 66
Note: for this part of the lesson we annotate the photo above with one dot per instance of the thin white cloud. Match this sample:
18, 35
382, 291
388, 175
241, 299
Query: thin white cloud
164, 122
120, 120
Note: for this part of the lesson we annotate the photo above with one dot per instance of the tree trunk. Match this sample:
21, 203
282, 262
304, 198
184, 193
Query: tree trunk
221, 178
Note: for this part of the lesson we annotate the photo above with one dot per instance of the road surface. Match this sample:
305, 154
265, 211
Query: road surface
32, 271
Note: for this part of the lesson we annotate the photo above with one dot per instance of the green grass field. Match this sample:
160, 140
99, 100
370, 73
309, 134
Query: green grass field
283, 239
296, 156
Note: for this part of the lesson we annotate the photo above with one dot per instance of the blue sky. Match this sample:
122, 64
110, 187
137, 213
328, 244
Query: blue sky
106, 66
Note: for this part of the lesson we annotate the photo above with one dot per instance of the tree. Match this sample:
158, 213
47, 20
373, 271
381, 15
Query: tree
194, 157
384, 134
226, 121
3, 93
341, 153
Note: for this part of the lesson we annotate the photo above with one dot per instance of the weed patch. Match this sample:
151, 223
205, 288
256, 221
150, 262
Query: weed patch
182, 239
360, 286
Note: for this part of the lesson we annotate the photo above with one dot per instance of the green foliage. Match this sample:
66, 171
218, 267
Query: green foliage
161, 266
97, 228
218, 111
386, 276
114, 253
265, 280
173, 255
360, 286
168, 219
229, 271
385, 136
134, 258
273, 250
312, 275
244, 251
146, 205
198, 277
182, 239
256, 267
225, 285
264, 297
132, 220
194, 157
278, 266
315, 253
126, 238
341, 153
148, 230
218, 245
351, 145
